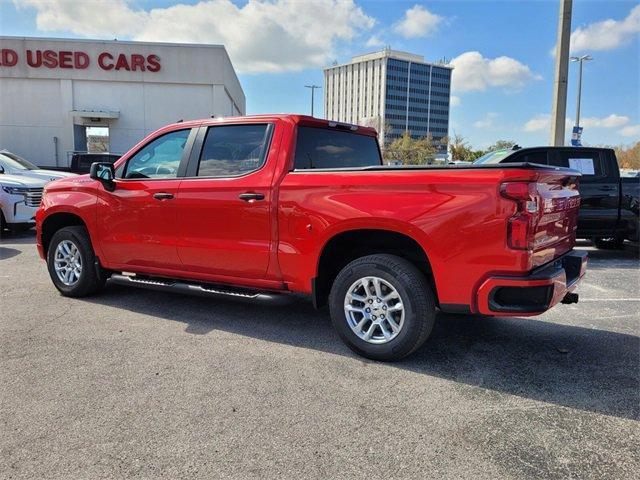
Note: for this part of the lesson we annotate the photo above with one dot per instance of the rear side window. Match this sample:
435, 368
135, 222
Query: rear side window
233, 150
329, 148
529, 157
591, 163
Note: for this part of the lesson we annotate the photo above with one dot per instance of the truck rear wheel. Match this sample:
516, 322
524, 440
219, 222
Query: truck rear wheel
72, 264
612, 243
382, 307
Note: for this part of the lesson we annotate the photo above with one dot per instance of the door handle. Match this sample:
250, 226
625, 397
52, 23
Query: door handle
163, 196
249, 196
607, 188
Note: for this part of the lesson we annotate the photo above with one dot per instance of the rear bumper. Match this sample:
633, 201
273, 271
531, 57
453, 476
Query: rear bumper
534, 293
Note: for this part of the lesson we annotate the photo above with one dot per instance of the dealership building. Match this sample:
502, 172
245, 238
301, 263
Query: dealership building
53, 92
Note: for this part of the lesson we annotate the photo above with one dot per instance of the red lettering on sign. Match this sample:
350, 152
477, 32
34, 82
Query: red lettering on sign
102, 63
38, 59
49, 59
8, 57
80, 60
65, 59
137, 61
122, 62
154, 63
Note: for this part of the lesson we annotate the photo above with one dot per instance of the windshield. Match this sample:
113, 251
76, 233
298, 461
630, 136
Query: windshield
494, 157
14, 162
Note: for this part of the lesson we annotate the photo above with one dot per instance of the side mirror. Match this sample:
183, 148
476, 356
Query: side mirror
104, 173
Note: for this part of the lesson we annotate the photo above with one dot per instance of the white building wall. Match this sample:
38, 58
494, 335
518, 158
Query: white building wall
195, 81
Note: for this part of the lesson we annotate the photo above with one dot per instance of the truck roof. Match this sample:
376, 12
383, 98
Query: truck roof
295, 118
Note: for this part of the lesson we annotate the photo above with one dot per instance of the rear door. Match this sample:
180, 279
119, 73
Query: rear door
599, 188
224, 202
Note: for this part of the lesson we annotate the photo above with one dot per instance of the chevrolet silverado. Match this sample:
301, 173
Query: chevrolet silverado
264, 206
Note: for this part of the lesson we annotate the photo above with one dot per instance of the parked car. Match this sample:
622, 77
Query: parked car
81, 161
19, 199
609, 202
13, 164
262, 207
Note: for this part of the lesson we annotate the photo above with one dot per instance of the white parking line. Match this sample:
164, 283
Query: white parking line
610, 299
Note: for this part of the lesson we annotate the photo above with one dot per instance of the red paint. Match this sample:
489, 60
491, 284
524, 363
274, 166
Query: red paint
458, 216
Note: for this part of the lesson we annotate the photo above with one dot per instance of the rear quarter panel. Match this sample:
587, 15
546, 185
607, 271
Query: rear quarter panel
456, 215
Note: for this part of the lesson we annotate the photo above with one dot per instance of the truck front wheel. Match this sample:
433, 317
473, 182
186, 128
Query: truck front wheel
382, 307
72, 263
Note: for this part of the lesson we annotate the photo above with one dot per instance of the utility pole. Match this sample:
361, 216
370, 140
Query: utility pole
559, 106
313, 89
581, 60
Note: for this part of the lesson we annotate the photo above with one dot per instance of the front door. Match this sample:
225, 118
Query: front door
224, 203
137, 222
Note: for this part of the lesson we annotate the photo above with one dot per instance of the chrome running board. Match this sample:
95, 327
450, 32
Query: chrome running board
201, 289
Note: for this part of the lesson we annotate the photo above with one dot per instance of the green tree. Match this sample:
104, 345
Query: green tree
461, 150
501, 145
410, 151
629, 156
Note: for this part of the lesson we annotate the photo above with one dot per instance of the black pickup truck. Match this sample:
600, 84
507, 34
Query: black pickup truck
609, 202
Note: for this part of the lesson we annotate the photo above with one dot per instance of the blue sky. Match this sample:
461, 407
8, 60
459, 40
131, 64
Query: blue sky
501, 50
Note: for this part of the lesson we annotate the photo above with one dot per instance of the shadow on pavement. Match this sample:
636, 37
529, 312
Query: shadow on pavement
6, 253
583, 368
20, 238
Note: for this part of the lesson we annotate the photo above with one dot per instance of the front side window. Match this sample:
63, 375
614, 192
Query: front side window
330, 148
233, 150
160, 158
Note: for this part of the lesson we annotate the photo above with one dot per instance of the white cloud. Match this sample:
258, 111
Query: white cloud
631, 131
417, 22
612, 121
454, 101
260, 36
486, 123
374, 41
607, 34
472, 71
539, 122
543, 122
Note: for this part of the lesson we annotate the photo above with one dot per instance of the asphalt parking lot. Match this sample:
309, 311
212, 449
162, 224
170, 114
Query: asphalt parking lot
135, 383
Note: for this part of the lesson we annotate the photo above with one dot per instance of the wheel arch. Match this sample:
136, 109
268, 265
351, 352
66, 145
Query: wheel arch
54, 222
347, 245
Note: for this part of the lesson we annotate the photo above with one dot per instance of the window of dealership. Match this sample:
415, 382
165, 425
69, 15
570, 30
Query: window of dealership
58, 96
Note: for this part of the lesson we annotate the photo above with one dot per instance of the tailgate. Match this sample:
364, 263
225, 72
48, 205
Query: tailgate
554, 229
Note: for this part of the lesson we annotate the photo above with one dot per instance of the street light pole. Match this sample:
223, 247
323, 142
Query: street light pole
313, 89
581, 59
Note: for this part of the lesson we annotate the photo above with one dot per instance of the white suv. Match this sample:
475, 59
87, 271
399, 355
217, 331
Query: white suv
13, 164
21, 185
19, 199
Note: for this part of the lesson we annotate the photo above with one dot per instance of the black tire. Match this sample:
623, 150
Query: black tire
416, 296
92, 277
614, 243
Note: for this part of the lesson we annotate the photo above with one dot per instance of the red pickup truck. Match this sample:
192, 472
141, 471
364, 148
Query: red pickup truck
264, 206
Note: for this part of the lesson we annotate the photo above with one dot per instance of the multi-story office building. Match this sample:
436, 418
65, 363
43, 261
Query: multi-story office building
393, 92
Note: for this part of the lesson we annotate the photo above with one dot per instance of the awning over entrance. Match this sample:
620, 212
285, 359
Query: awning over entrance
95, 114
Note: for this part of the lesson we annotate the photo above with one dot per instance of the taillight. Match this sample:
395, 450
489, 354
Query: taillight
522, 225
